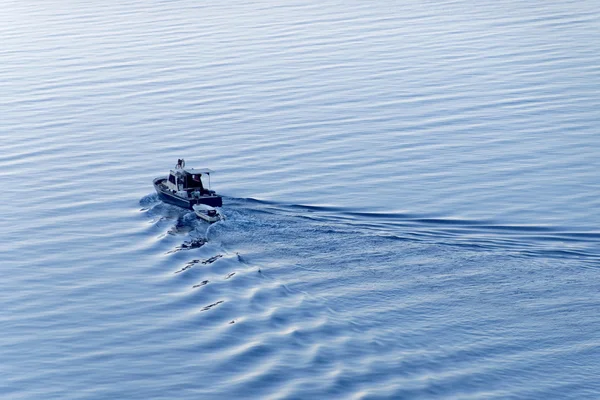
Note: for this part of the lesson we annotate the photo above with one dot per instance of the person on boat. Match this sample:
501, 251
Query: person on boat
180, 163
197, 180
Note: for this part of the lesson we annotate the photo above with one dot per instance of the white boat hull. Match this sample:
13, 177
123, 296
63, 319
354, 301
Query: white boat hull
207, 213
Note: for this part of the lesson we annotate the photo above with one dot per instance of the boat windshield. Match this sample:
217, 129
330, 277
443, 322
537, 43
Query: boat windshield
194, 181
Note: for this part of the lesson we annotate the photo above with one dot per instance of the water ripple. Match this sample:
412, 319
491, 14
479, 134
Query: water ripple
411, 200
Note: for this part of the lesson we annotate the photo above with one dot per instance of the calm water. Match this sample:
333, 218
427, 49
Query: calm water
411, 192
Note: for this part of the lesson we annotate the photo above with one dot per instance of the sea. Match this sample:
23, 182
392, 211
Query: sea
411, 198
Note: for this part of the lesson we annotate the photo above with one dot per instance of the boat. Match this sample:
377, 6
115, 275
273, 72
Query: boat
184, 187
207, 213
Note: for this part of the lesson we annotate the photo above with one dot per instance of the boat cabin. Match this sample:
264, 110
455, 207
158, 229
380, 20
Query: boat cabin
189, 180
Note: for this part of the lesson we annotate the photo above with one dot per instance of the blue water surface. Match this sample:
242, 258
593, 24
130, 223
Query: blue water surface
410, 191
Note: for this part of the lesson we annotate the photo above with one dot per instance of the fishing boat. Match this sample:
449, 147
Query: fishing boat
184, 187
207, 213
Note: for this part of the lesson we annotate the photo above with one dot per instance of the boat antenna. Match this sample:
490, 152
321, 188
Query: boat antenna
208, 173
